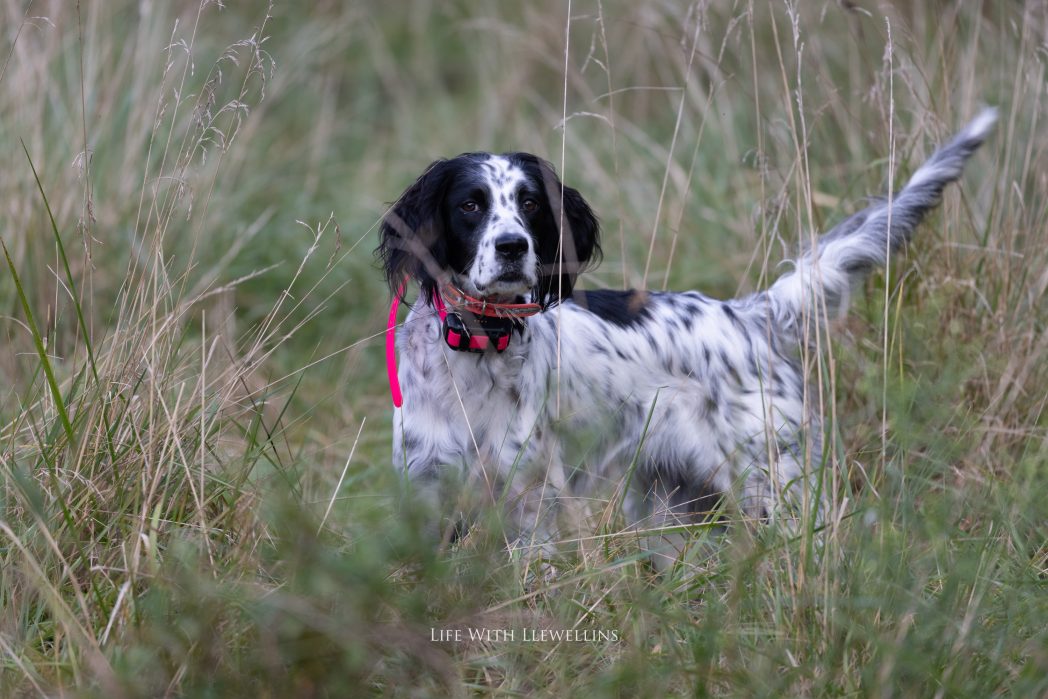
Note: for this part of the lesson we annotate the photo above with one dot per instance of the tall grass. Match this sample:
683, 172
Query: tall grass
196, 494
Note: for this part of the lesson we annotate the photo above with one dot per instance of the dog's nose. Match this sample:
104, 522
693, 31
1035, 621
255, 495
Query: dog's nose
511, 245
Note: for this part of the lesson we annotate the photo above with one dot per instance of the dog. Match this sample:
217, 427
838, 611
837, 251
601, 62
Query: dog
514, 385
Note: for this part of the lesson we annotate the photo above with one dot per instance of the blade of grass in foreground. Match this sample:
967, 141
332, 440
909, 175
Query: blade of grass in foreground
71, 282
49, 374
41, 351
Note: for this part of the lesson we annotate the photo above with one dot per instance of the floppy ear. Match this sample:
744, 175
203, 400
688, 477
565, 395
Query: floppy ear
412, 243
565, 256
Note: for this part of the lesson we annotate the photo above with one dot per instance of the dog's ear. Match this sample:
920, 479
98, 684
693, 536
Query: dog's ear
412, 243
565, 256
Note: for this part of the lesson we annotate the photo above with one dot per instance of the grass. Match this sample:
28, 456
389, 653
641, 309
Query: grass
195, 490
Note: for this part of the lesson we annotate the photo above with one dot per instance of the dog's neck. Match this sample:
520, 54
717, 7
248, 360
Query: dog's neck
478, 326
468, 324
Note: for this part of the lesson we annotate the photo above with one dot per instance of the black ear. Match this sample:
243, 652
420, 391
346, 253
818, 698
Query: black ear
412, 244
565, 256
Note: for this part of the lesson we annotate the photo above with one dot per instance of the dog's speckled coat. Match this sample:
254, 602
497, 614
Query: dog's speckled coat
701, 396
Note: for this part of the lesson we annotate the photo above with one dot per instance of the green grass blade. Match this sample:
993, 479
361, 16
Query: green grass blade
38, 341
71, 282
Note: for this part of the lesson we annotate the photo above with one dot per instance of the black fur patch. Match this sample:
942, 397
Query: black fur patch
690, 500
622, 308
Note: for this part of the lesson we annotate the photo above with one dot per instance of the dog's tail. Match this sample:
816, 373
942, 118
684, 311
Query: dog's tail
842, 257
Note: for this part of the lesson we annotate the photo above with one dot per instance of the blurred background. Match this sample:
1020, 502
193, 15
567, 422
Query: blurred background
244, 127
191, 366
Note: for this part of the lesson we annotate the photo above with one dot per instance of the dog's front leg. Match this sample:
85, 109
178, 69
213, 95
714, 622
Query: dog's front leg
437, 482
534, 495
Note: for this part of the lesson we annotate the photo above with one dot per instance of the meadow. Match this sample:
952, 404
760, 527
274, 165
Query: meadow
196, 495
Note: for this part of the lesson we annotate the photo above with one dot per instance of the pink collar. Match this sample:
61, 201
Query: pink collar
391, 342
391, 349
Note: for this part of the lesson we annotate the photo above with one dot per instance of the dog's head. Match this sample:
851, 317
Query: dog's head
500, 227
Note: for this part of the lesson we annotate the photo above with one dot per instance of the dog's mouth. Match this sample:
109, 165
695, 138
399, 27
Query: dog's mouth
497, 295
508, 287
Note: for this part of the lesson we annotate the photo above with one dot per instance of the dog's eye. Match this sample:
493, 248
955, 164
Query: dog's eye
469, 206
530, 205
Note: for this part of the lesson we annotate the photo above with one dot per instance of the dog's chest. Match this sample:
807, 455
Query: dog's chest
490, 388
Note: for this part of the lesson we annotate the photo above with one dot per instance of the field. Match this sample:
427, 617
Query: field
196, 496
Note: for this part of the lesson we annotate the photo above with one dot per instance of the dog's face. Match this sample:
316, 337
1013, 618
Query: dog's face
491, 224
493, 214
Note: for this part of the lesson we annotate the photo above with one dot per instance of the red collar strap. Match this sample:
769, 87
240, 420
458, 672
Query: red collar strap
493, 335
458, 299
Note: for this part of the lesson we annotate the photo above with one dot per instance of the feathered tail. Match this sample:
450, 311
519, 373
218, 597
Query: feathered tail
843, 256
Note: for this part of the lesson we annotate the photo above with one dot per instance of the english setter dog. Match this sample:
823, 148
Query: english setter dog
519, 387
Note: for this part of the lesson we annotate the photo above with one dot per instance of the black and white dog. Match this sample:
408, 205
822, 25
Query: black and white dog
533, 394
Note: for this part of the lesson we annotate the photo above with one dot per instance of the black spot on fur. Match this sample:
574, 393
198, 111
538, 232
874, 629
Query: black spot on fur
598, 348
688, 499
411, 442
731, 369
622, 308
751, 361
733, 317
